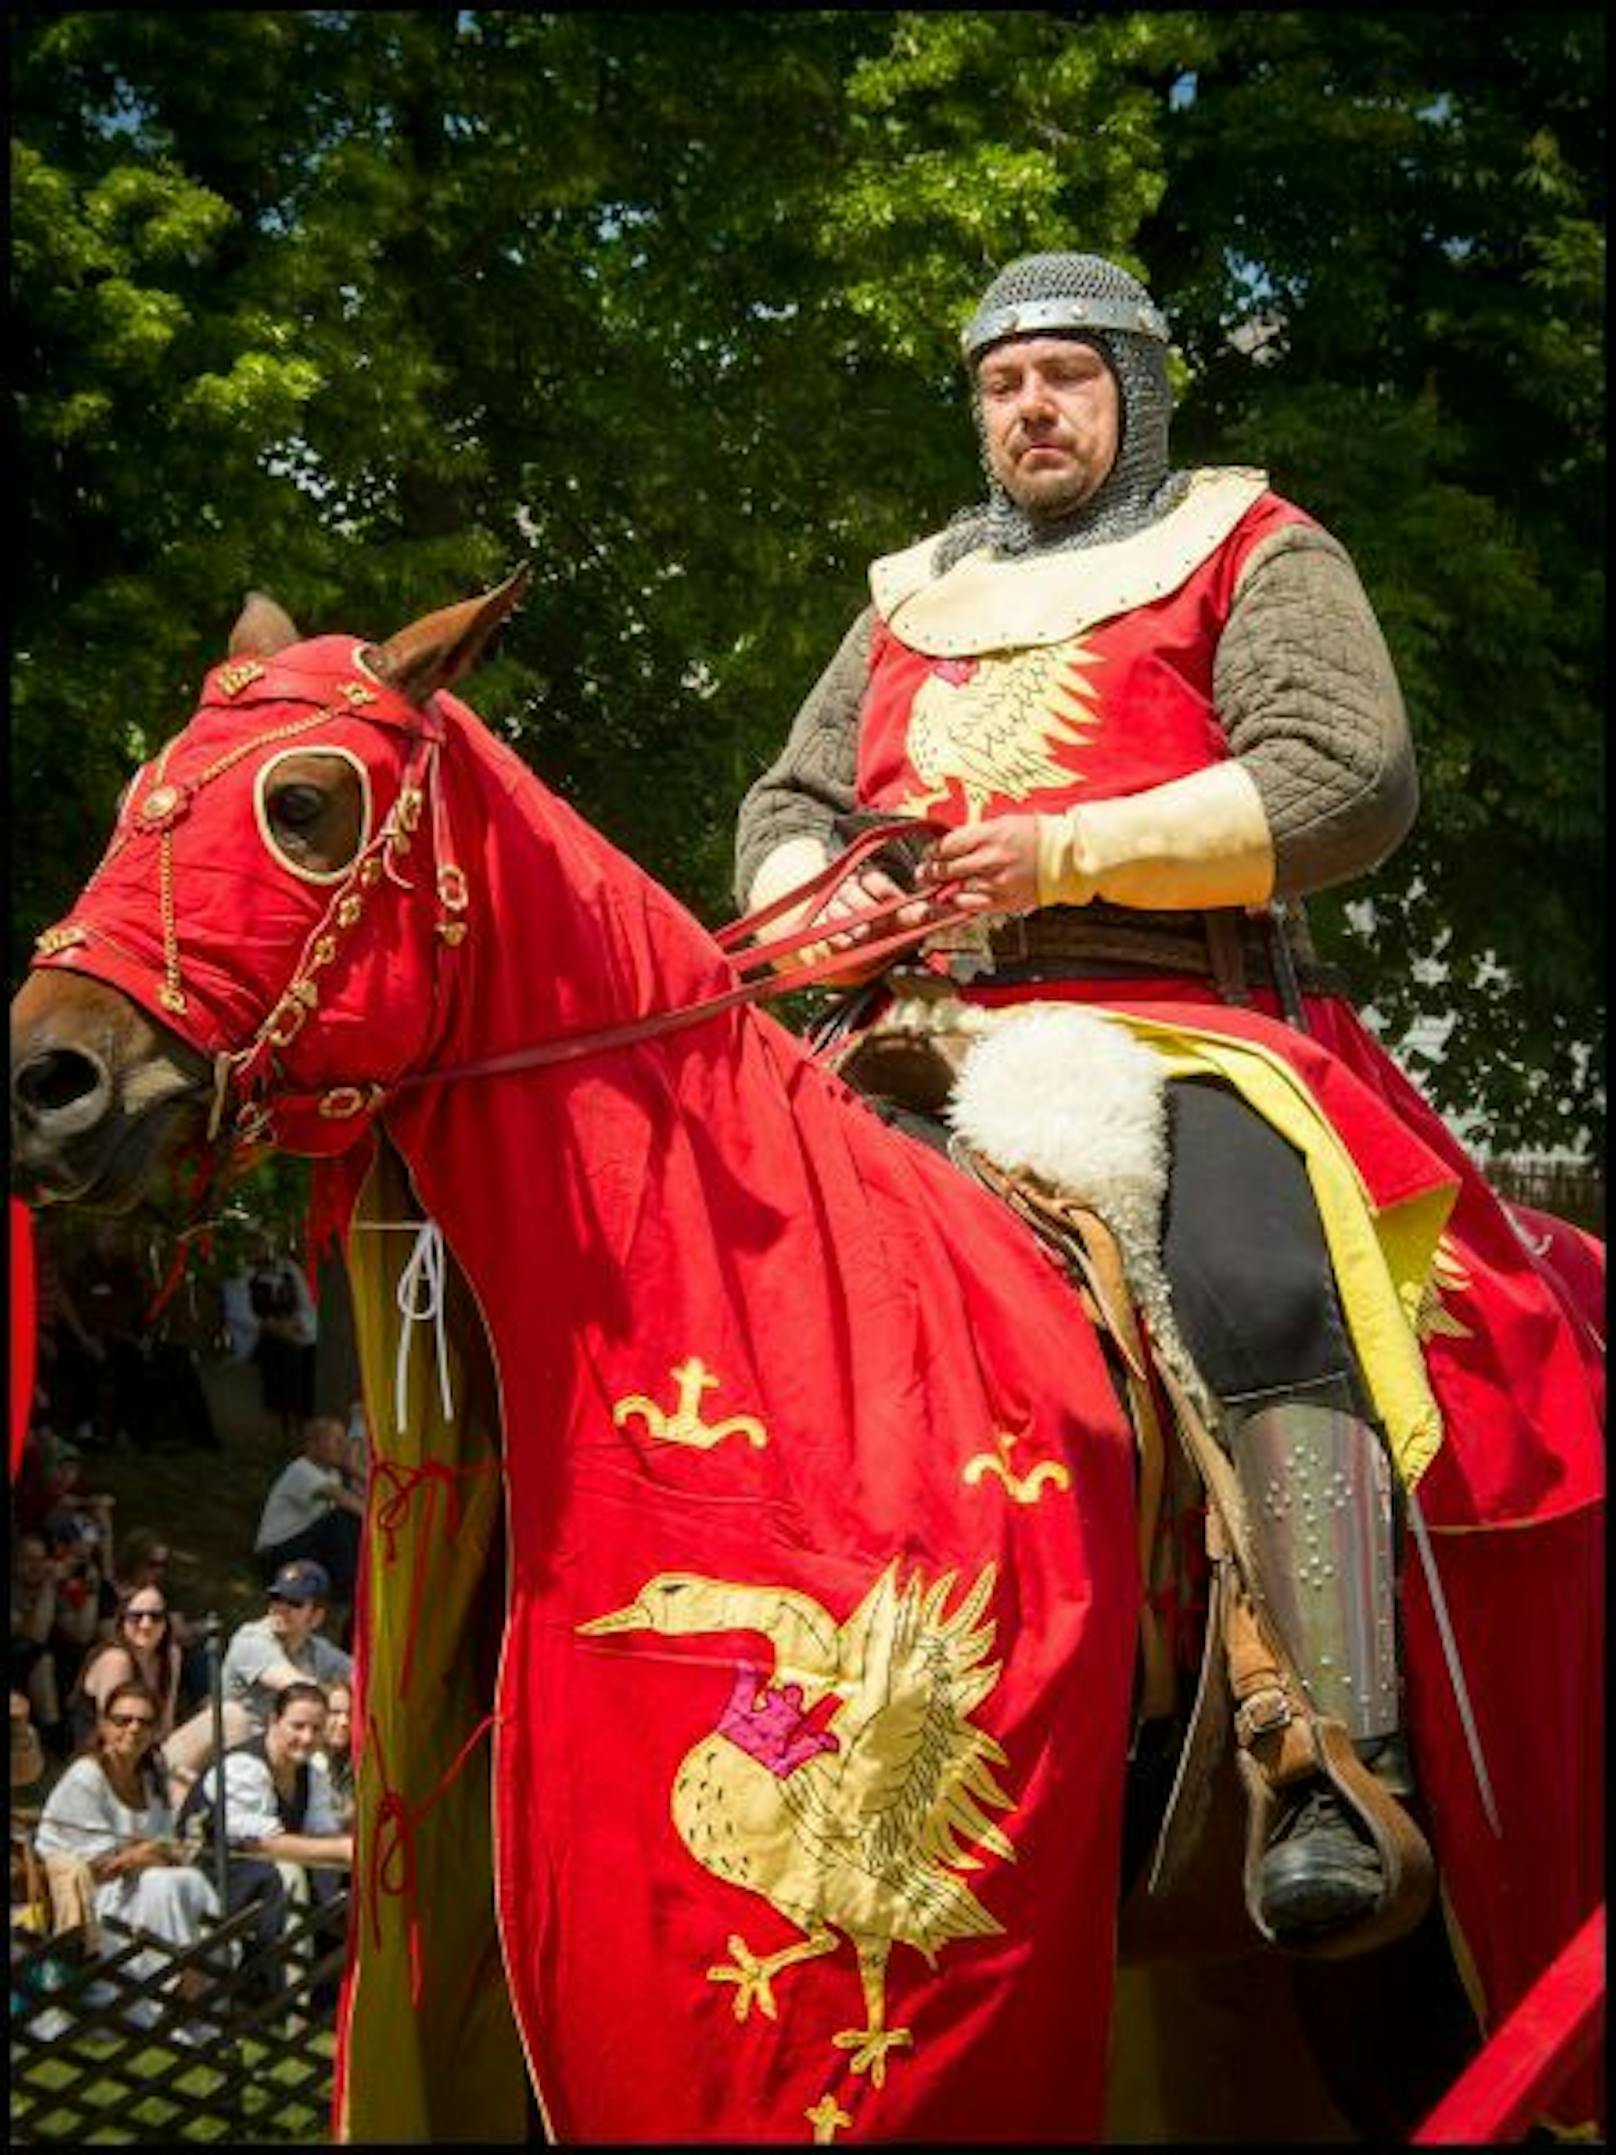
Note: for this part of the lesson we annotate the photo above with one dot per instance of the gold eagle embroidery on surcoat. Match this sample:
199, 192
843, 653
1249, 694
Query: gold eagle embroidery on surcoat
998, 732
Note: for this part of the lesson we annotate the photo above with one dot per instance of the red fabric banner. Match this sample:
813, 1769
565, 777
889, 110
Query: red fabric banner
1549, 2035
24, 1322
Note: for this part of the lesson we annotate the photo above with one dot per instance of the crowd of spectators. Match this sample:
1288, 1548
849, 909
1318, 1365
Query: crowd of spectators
116, 1785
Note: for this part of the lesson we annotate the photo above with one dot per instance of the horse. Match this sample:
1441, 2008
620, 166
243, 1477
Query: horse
747, 1626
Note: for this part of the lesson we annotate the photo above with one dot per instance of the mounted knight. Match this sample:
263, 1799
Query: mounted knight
1153, 710
752, 1577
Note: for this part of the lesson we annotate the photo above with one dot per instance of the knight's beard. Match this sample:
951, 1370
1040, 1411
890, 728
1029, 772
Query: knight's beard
1052, 500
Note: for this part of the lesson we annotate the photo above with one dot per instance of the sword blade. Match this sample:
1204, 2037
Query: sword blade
1450, 1654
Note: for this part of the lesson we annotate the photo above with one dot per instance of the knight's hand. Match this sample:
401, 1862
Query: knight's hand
994, 863
868, 887
796, 862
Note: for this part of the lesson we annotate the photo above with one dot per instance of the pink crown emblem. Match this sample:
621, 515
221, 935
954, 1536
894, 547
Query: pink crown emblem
768, 1723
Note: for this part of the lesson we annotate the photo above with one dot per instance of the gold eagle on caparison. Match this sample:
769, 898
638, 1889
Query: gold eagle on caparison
851, 1826
998, 732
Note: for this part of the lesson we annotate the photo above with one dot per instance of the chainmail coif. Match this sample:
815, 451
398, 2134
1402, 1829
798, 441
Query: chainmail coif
1140, 487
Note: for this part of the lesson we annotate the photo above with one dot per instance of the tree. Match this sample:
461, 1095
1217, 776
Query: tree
509, 285
1383, 239
363, 307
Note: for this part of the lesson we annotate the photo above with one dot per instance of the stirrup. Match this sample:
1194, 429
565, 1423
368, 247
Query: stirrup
1284, 1753
1319, 1871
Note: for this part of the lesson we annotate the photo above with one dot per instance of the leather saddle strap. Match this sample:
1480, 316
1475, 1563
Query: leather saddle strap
1089, 1249
1101, 1263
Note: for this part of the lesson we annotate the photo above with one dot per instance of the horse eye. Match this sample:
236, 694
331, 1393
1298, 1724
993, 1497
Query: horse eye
313, 808
298, 807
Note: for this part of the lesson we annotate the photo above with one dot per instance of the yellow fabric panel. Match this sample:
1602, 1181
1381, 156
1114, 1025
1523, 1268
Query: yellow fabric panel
449, 2067
1382, 1259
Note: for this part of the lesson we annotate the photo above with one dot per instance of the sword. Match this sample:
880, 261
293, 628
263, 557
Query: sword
1450, 1654
1285, 980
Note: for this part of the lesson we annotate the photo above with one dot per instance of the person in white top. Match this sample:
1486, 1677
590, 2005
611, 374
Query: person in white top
279, 1802
280, 1817
110, 1812
311, 1511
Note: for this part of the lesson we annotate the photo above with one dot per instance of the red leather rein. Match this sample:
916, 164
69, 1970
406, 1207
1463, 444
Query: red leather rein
759, 977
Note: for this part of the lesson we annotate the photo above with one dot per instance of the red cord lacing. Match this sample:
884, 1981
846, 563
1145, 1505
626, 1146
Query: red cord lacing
391, 1868
390, 1513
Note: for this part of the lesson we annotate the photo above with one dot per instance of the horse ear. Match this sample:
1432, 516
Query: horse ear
440, 647
262, 628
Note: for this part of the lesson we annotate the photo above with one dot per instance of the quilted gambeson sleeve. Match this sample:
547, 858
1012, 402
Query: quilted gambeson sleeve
1305, 689
813, 779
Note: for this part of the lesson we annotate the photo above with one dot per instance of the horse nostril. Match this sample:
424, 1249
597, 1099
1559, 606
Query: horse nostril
62, 1085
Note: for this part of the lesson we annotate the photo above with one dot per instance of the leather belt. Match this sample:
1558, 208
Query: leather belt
1080, 942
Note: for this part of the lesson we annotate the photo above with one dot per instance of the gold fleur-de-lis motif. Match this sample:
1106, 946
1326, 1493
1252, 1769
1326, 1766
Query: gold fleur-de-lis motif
1448, 1277
1024, 1488
685, 1425
232, 679
824, 2117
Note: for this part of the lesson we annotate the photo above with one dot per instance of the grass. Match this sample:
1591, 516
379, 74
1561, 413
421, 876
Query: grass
279, 2097
205, 1505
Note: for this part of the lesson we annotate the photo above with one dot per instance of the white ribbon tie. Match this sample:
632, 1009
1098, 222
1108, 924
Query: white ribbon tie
420, 1301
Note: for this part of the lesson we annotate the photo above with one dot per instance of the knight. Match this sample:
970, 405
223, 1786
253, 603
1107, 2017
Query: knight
1154, 710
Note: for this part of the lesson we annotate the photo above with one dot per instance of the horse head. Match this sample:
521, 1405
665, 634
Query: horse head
254, 910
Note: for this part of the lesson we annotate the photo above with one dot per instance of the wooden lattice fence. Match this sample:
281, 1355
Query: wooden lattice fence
1570, 1192
139, 2041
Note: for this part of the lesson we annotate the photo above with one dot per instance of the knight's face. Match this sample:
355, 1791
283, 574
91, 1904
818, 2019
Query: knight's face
1051, 421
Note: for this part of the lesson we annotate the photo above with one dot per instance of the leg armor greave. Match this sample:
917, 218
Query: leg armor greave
1317, 1485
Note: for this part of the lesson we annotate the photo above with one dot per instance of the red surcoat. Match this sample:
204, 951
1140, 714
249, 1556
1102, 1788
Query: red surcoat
1132, 698
1136, 691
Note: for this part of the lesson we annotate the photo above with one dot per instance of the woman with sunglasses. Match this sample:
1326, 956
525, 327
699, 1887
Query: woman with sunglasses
145, 1559
111, 1811
142, 1649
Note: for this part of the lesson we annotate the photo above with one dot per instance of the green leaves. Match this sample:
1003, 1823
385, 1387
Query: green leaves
363, 306
1412, 204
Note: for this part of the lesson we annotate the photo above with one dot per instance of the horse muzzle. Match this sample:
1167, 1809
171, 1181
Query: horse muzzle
89, 1121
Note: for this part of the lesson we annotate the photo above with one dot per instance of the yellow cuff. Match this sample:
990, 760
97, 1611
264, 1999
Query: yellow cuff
1197, 841
783, 869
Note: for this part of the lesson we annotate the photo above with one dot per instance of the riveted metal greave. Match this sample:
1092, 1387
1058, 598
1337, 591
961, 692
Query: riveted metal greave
1317, 1486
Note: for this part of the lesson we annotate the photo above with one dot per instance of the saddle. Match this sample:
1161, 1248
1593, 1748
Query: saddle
1248, 1686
